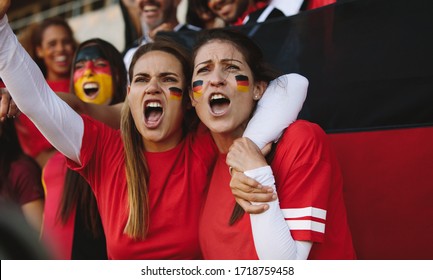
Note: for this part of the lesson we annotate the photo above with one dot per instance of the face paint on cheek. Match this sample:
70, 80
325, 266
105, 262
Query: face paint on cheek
243, 83
175, 93
197, 88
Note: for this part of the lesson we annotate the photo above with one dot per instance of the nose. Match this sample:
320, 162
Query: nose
217, 79
89, 68
153, 87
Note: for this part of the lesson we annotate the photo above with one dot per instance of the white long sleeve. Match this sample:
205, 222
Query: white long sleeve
61, 125
277, 109
271, 234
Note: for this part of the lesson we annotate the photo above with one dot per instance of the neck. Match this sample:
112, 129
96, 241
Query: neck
163, 145
225, 140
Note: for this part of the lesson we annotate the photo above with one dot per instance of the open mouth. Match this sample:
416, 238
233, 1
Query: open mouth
60, 58
91, 89
149, 9
219, 103
153, 113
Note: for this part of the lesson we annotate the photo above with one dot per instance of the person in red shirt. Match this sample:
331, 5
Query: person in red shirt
72, 226
20, 175
309, 218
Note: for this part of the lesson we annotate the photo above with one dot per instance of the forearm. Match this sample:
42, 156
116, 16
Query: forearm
55, 119
271, 233
277, 109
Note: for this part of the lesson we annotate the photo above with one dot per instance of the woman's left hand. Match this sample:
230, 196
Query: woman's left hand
245, 155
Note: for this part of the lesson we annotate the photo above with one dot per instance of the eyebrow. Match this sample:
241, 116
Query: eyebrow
222, 60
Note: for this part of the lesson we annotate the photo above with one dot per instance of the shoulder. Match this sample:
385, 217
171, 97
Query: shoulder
186, 27
25, 166
303, 138
303, 128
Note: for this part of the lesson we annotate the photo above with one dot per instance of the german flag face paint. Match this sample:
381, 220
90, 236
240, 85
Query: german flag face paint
175, 93
93, 81
197, 88
243, 83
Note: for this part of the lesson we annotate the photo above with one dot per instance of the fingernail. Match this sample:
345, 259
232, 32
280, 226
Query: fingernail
274, 196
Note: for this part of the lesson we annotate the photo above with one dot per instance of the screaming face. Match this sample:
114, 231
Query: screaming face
93, 82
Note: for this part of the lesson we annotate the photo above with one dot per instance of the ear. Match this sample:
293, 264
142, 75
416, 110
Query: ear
128, 90
191, 96
259, 89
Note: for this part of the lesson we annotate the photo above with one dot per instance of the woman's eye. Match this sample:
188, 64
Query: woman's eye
101, 63
202, 70
139, 80
170, 80
233, 67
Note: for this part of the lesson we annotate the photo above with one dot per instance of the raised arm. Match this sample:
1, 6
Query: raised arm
54, 118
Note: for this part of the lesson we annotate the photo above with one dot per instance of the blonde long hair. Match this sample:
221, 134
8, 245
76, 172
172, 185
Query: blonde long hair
137, 171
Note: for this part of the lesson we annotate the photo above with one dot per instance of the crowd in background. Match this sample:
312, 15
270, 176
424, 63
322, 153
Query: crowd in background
33, 174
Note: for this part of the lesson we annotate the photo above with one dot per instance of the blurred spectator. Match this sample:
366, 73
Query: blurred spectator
156, 16
52, 45
18, 240
239, 12
131, 18
20, 176
199, 14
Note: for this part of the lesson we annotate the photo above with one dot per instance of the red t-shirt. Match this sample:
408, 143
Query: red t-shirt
177, 183
310, 190
23, 184
31, 140
55, 234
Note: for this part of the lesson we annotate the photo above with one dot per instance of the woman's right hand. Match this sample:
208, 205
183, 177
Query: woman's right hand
4, 6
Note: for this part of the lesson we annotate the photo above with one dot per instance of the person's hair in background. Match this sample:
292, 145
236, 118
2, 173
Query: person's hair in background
136, 166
